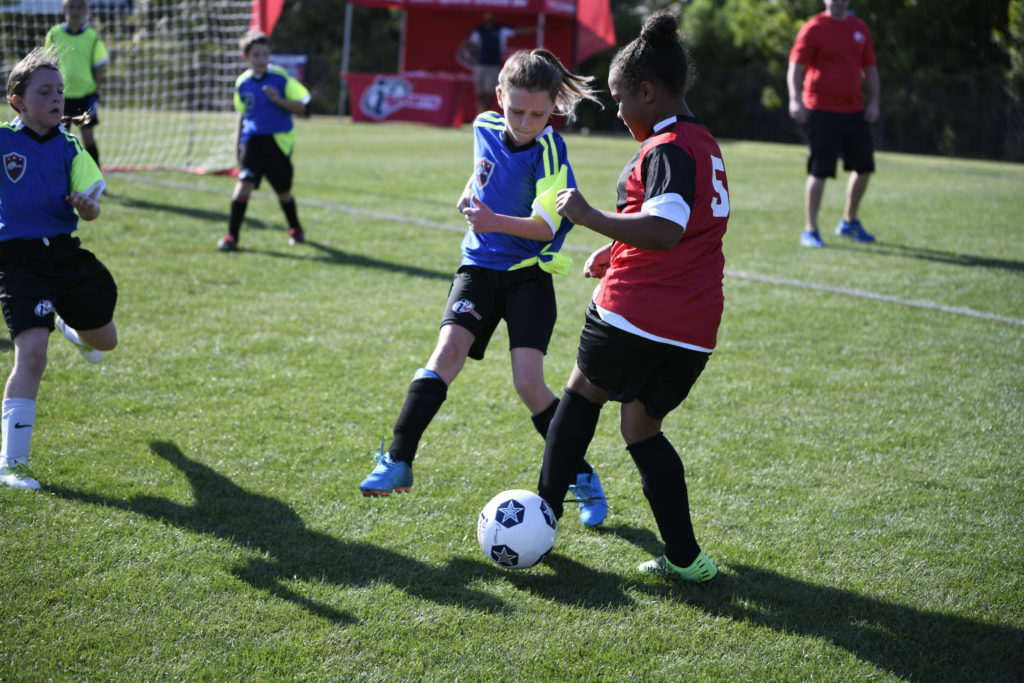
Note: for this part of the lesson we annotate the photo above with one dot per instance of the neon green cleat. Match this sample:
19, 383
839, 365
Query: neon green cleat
703, 569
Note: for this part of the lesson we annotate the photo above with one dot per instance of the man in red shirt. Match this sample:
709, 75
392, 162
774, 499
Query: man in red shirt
831, 53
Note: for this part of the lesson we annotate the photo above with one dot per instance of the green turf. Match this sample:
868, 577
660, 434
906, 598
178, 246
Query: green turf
853, 449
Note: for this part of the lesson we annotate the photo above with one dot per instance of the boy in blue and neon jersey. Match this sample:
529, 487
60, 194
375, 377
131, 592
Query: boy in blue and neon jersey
48, 183
508, 255
266, 97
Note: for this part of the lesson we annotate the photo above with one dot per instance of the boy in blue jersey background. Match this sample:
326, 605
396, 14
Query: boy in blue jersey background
508, 255
266, 96
46, 279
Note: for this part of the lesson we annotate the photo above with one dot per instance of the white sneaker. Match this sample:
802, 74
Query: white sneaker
17, 475
88, 353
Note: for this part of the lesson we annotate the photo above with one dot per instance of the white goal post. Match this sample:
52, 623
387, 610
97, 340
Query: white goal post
166, 97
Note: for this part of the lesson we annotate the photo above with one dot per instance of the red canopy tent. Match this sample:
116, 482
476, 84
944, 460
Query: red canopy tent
431, 84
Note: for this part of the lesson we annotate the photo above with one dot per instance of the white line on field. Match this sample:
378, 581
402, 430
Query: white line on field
739, 275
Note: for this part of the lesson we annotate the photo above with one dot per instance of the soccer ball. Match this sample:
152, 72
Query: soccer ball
516, 529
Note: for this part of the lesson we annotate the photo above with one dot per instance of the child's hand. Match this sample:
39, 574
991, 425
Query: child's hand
598, 262
86, 205
573, 206
480, 217
463, 203
271, 92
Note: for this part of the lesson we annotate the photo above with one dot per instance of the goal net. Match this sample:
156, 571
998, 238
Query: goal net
166, 97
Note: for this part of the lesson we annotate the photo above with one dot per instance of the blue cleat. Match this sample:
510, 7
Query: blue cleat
811, 238
854, 230
389, 475
590, 496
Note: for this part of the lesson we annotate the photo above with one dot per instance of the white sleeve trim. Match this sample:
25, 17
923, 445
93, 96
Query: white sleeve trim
670, 206
538, 209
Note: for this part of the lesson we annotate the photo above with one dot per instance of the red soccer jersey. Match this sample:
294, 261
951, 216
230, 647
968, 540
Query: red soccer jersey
676, 293
835, 53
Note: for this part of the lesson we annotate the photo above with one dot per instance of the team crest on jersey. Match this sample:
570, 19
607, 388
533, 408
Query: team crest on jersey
14, 166
466, 306
483, 171
44, 307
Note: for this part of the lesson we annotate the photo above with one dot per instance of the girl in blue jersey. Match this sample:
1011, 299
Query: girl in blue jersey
655, 315
508, 255
49, 182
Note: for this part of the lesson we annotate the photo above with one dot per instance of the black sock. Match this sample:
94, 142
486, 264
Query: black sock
238, 207
664, 484
542, 420
291, 213
569, 436
421, 404
94, 152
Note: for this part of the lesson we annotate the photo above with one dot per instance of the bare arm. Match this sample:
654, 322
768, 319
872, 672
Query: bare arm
88, 208
483, 220
97, 75
641, 230
872, 110
290, 106
795, 83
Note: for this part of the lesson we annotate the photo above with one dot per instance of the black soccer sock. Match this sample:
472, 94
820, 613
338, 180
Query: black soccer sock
542, 422
421, 405
94, 152
569, 435
291, 213
664, 484
238, 207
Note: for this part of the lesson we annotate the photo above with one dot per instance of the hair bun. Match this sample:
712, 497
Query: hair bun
661, 28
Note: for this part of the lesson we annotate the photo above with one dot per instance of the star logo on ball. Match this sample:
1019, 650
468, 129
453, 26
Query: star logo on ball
504, 556
510, 513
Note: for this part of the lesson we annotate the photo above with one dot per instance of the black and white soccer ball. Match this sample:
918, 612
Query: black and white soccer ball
516, 529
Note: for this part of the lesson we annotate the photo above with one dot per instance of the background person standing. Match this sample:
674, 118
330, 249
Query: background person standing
832, 51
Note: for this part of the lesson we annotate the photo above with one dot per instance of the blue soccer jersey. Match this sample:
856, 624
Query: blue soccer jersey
519, 182
260, 116
39, 173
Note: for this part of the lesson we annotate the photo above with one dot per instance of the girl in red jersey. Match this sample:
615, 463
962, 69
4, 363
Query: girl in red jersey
654, 319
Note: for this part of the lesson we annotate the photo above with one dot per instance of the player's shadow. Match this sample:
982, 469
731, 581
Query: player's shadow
291, 552
337, 257
219, 217
910, 643
938, 256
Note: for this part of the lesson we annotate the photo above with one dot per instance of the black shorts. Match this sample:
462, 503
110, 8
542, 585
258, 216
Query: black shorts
629, 367
261, 156
37, 279
76, 106
480, 297
832, 134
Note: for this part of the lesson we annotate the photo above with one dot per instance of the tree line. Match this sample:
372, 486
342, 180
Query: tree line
952, 72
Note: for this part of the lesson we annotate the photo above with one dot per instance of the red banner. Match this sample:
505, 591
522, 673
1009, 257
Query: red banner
435, 99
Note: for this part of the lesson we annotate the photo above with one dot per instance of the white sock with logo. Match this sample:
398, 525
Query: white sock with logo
19, 414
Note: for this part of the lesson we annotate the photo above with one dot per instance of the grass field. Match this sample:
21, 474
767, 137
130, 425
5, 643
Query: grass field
853, 450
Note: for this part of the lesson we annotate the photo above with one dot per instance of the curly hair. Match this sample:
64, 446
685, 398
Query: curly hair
657, 56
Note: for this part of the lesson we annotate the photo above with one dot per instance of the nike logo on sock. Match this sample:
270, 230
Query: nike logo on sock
18, 425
